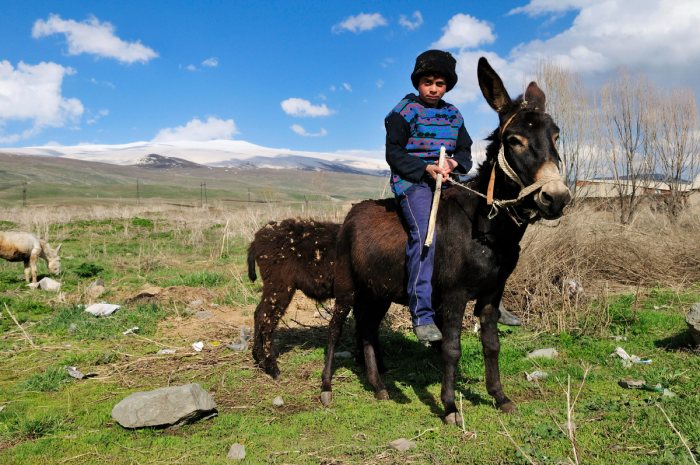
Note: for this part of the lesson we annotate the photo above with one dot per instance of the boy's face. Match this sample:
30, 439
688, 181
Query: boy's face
431, 89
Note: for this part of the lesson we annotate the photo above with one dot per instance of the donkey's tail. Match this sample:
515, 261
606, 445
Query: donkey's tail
251, 262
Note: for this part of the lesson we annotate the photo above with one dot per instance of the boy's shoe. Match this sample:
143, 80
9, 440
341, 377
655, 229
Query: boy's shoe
507, 318
427, 333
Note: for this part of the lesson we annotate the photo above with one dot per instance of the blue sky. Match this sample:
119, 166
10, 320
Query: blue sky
117, 72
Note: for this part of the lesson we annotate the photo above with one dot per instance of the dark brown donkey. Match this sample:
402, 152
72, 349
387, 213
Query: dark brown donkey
291, 254
476, 251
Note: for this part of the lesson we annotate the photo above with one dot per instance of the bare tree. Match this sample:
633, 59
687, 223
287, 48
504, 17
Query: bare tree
628, 131
678, 146
572, 107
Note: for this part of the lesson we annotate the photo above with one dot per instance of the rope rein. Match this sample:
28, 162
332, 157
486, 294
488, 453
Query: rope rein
508, 205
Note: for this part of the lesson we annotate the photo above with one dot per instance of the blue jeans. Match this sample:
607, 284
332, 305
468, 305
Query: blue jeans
415, 205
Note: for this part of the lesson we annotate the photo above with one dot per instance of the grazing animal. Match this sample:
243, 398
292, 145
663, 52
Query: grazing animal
291, 254
25, 247
475, 251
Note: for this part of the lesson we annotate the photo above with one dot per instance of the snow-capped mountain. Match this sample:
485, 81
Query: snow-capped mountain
216, 153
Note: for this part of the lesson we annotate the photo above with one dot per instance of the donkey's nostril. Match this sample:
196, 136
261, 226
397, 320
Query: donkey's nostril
545, 198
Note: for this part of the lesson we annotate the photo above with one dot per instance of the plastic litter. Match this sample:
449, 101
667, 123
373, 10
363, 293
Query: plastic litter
130, 331
627, 360
240, 344
547, 353
476, 327
277, 401
343, 355
198, 346
46, 284
166, 352
75, 373
102, 309
535, 375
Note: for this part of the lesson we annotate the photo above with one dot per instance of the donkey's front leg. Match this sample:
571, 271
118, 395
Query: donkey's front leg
453, 312
487, 309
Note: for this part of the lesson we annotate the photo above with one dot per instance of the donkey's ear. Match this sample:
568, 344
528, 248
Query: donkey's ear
535, 95
491, 86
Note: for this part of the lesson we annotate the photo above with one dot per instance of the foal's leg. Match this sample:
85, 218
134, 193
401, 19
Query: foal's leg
272, 307
372, 312
335, 329
453, 306
32, 262
27, 271
487, 309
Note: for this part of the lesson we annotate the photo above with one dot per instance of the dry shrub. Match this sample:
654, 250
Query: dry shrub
588, 248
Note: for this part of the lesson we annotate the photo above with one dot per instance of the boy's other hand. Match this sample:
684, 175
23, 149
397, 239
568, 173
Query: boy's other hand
433, 169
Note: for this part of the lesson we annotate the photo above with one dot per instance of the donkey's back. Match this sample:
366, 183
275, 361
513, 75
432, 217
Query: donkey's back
18, 246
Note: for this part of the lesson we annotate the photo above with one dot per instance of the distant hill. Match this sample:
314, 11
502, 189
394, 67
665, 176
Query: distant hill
159, 162
216, 153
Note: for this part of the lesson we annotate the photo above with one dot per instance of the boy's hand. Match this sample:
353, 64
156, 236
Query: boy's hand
433, 169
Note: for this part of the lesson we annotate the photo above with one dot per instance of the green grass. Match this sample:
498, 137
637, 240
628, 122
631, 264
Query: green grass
50, 418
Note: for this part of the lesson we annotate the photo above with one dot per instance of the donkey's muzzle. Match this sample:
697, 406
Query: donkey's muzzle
552, 199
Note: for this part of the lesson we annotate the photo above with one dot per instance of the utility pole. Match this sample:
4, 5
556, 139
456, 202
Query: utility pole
201, 194
206, 202
24, 193
138, 194
249, 194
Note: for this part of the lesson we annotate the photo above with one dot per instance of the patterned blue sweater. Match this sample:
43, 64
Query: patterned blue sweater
414, 134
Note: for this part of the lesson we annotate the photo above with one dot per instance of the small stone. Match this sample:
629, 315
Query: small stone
196, 303
75, 373
546, 353
48, 284
166, 351
204, 315
630, 383
237, 452
95, 292
620, 338
277, 401
402, 444
98, 282
72, 328
693, 321
343, 355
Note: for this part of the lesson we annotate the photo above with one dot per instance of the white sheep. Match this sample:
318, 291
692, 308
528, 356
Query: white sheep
25, 247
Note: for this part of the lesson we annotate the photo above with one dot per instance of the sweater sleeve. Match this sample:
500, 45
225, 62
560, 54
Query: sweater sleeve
398, 131
463, 151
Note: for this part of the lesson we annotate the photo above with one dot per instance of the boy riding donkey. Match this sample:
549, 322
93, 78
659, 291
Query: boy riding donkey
415, 130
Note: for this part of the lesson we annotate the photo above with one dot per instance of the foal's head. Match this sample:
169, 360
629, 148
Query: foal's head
529, 139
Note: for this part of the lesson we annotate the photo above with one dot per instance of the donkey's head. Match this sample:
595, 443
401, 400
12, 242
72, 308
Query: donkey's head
528, 135
51, 256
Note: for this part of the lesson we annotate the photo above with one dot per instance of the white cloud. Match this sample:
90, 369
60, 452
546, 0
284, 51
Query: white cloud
332, 88
359, 23
93, 37
647, 35
33, 93
322, 96
52, 143
347, 86
465, 31
403, 21
380, 83
104, 83
191, 67
386, 62
213, 61
97, 116
301, 107
196, 130
302, 132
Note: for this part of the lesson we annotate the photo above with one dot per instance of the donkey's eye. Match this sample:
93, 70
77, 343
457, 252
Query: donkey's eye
517, 141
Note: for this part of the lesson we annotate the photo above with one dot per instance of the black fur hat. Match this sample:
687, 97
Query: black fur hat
435, 62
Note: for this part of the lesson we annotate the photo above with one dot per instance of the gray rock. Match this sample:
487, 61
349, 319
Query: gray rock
620, 338
48, 284
75, 373
277, 401
165, 406
237, 452
402, 444
204, 315
97, 283
629, 383
72, 328
343, 355
95, 291
546, 353
196, 303
693, 321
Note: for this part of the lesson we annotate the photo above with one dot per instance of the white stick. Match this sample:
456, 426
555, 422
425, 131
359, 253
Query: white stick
436, 200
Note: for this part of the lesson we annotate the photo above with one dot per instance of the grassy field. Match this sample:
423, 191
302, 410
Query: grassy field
48, 417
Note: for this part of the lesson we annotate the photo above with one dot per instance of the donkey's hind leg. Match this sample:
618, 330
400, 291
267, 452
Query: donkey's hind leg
335, 330
27, 271
371, 312
272, 307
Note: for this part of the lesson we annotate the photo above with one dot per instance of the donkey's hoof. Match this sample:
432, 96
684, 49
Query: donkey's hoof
382, 395
326, 398
507, 407
453, 419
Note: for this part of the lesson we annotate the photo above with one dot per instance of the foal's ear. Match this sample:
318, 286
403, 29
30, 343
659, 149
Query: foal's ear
58, 248
491, 86
535, 95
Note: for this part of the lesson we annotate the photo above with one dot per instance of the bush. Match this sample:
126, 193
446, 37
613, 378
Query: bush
88, 270
146, 223
50, 380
